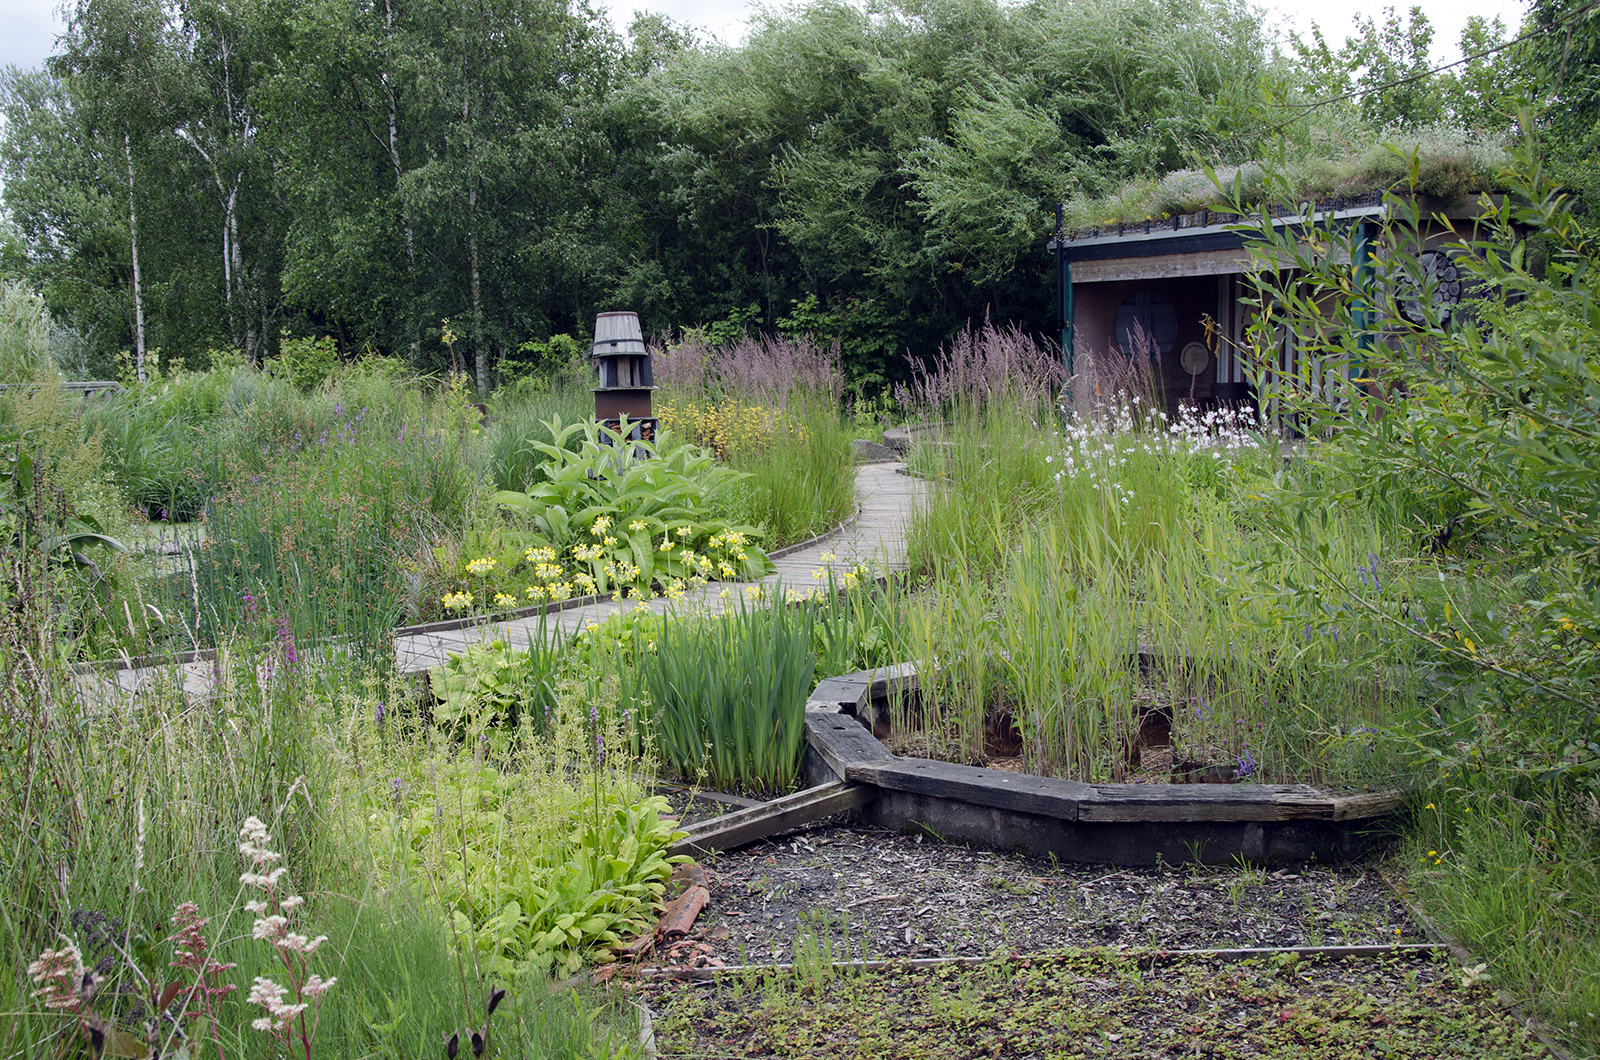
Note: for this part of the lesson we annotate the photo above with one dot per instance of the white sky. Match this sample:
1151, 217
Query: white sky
28, 28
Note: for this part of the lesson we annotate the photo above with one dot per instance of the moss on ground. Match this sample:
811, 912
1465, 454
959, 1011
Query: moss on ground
1100, 1003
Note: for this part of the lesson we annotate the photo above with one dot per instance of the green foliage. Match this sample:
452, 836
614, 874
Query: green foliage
1489, 446
632, 514
528, 904
24, 335
307, 360
726, 695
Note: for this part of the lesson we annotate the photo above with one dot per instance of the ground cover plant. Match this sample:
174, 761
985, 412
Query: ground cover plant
1098, 1003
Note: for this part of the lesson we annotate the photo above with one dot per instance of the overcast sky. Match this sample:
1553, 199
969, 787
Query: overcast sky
28, 28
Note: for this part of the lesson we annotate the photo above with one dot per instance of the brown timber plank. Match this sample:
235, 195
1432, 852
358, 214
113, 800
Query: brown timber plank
746, 826
1368, 804
1205, 802
842, 741
983, 787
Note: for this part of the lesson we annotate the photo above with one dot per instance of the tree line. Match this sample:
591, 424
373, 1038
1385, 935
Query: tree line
186, 176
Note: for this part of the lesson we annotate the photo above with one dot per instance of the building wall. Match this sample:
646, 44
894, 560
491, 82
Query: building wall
1192, 298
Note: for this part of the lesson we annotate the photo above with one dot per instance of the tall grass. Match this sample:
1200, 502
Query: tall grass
114, 813
1082, 579
769, 407
726, 695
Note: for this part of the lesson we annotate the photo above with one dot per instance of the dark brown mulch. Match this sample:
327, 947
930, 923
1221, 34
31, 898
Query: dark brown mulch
861, 893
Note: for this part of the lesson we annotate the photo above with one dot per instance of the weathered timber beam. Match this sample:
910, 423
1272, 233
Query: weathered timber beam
1048, 796
746, 826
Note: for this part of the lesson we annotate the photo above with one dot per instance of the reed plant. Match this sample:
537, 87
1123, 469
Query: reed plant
1082, 579
801, 481
726, 695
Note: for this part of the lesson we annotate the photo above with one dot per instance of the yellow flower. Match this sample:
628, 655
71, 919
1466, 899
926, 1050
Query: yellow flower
481, 566
456, 601
752, 591
683, 531
666, 545
819, 573
1428, 807
600, 525
637, 524
540, 555
727, 571
504, 600
828, 557
536, 592
610, 542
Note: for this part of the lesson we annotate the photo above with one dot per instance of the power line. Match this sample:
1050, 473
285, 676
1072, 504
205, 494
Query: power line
1474, 57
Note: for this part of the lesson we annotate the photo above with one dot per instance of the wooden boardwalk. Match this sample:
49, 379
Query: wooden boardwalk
875, 537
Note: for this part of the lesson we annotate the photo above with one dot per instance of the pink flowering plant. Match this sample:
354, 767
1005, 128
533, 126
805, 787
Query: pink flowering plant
286, 1006
63, 983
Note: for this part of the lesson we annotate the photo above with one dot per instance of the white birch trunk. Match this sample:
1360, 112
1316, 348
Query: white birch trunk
133, 246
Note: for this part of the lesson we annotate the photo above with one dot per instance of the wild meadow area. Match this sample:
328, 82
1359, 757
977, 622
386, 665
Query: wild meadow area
295, 348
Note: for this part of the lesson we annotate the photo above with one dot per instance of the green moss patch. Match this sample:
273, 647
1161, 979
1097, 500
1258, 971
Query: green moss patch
1100, 1003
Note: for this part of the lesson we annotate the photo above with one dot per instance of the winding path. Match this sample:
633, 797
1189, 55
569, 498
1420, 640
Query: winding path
876, 536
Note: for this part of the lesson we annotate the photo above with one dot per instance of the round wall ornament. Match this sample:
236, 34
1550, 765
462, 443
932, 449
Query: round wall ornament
1194, 358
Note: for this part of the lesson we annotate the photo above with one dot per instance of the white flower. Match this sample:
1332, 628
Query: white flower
257, 906
300, 944
270, 928
265, 881
290, 903
316, 986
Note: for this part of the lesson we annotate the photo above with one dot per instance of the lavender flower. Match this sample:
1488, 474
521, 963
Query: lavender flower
1245, 764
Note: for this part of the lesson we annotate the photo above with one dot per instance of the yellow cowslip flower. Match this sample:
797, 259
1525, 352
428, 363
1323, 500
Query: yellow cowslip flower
610, 542
642, 606
666, 545
505, 600
687, 555
828, 557
851, 580
637, 524
741, 557
540, 555
674, 591
715, 542
735, 538
456, 601
547, 572
585, 582
536, 592
482, 565
600, 525
726, 570
752, 591
560, 591
819, 573
724, 594
684, 531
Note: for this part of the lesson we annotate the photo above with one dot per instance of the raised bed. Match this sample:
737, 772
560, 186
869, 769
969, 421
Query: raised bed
1121, 824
